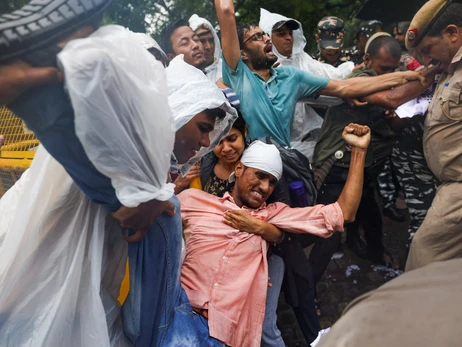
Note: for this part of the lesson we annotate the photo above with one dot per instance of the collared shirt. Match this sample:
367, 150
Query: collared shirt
443, 125
268, 106
226, 271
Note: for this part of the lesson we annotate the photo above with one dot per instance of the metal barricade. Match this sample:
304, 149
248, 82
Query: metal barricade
18, 150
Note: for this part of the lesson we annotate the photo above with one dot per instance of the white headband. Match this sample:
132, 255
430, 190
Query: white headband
263, 157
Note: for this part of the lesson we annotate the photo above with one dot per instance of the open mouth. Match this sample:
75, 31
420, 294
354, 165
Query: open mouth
269, 48
257, 195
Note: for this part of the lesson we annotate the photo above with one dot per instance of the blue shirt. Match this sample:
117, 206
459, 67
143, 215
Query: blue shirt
268, 106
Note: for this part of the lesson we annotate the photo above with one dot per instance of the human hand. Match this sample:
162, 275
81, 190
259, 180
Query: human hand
359, 67
17, 77
181, 183
408, 76
243, 221
142, 217
221, 84
355, 103
357, 136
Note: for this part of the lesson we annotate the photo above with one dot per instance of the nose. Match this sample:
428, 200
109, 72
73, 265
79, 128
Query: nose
205, 140
226, 146
266, 38
207, 46
264, 186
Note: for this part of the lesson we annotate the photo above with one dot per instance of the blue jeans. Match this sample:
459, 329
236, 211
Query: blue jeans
157, 310
271, 336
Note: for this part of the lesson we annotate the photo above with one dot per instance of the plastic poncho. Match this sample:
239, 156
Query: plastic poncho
214, 71
191, 92
307, 122
148, 43
62, 257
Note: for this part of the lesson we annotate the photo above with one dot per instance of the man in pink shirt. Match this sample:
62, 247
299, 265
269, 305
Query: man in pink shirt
225, 271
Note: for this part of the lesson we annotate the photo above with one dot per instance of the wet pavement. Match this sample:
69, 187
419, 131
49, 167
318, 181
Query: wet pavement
346, 278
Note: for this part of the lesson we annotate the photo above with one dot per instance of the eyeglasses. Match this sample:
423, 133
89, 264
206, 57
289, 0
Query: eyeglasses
256, 37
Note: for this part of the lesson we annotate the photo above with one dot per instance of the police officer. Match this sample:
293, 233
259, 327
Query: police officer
435, 35
330, 42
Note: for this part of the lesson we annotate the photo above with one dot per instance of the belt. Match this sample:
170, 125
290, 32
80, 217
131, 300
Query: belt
202, 311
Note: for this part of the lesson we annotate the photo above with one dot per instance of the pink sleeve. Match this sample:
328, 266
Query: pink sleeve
319, 220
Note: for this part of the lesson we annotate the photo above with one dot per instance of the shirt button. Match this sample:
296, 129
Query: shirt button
225, 257
216, 284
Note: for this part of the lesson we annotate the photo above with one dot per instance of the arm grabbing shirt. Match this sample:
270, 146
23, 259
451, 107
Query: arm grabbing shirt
226, 271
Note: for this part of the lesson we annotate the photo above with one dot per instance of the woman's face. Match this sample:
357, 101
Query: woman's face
231, 147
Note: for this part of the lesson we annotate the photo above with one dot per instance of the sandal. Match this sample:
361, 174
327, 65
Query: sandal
383, 258
43, 22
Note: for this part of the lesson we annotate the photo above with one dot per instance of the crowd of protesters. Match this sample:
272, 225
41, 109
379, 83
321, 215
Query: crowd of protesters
201, 167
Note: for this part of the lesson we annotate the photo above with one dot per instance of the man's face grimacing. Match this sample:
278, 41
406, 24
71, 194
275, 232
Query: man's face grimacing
208, 44
185, 41
193, 135
383, 63
258, 49
283, 40
439, 49
253, 186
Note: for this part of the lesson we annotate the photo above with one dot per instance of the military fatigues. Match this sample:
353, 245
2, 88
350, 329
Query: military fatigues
344, 57
414, 176
331, 36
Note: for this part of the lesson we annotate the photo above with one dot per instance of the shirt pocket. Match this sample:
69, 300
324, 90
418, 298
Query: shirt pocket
450, 105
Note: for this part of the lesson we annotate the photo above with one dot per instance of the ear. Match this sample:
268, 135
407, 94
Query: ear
170, 56
239, 169
367, 59
244, 56
316, 37
452, 31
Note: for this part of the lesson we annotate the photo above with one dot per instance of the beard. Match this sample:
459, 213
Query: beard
260, 61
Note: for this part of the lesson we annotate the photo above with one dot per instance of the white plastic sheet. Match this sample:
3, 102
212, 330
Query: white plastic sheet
62, 259
122, 118
306, 122
213, 71
190, 92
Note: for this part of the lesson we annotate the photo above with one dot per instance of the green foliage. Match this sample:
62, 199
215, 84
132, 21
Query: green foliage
153, 15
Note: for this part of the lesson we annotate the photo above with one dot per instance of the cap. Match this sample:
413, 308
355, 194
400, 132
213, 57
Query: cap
291, 24
333, 24
423, 20
370, 28
330, 33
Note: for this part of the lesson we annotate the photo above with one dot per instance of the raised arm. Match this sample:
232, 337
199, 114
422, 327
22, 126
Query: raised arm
361, 86
229, 39
393, 98
358, 137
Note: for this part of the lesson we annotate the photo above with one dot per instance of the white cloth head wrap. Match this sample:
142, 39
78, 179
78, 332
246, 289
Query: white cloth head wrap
191, 92
263, 157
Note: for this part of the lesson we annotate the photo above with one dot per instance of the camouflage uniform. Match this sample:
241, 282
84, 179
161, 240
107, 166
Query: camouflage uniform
344, 57
411, 169
331, 35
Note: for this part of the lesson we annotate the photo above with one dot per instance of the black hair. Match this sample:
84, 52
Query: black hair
389, 44
451, 15
240, 124
216, 113
241, 30
167, 32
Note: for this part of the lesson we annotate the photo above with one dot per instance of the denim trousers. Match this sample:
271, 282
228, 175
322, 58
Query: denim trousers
271, 335
157, 310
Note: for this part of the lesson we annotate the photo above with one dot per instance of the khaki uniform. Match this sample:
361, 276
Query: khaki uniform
418, 309
440, 235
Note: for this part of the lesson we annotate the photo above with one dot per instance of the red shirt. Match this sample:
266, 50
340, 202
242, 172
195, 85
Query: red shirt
226, 271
